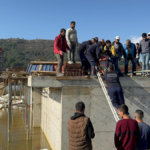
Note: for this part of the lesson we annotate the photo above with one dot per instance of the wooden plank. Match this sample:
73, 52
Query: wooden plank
44, 62
141, 71
72, 78
40, 68
44, 72
55, 89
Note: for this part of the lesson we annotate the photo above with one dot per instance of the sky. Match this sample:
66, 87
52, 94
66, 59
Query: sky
43, 19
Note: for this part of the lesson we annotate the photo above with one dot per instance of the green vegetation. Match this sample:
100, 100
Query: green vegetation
19, 52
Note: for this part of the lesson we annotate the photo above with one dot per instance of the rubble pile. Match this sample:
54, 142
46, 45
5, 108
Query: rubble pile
73, 70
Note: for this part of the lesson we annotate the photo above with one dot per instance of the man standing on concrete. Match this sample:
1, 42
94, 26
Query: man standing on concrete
92, 54
144, 143
60, 47
119, 52
72, 41
144, 49
81, 52
127, 133
130, 54
80, 129
115, 91
149, 35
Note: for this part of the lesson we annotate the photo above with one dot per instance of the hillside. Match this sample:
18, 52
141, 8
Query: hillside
19, 52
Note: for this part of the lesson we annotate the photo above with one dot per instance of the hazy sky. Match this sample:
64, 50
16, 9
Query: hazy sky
43, 19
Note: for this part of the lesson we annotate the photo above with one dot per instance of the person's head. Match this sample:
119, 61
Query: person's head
103, 41
117, 39
80, 107
144, 36
93, 40
123, 110
72, 24
128, 43
96, 39
62, 32
149, 35
139, 115
108, 43
137, 45
111, 68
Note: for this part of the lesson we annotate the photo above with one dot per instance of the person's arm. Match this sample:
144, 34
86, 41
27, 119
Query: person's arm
67, 46
138, 133
134, 51
121, 49
57, 43
90, 129
140, 48
98, 52
148, 140
117, 136
67, 35
124, 54
77, 40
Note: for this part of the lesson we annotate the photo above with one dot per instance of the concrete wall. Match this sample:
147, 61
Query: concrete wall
57, 106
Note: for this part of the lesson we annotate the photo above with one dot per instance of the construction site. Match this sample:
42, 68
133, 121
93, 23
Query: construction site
47, 101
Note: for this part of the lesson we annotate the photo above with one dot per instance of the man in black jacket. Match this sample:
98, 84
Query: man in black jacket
81, 52
119, 52
115, 91
92, 55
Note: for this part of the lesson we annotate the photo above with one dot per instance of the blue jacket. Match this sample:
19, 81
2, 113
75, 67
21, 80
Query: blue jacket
132, 49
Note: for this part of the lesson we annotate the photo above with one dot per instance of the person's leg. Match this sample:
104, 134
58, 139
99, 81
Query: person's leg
120, 95
133, 66
73, 45
143, 63
126, 66
117, 66
147, 61
60, 62
113, 97
137, 62
69, 55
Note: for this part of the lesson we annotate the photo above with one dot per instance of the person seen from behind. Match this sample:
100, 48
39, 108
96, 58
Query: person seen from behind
60, 47
130, 55
144, 143
72, 42
80, 129
149, 35
127, 133
137, 54
115, 91
119, 53
144, 49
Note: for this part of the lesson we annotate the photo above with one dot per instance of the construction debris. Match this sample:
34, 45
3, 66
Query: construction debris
73, 70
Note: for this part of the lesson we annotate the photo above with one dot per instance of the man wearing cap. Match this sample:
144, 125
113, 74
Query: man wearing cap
119, 52
60, 47
149, 35
144, 49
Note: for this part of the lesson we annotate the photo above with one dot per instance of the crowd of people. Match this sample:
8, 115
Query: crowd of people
130, 134
94, 53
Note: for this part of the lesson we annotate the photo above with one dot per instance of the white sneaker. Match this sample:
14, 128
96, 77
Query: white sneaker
70, 62
60, 75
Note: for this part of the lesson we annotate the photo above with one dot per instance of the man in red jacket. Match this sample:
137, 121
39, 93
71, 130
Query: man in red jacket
127, 133
60, 47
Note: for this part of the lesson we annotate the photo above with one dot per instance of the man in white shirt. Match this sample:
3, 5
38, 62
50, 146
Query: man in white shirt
72, 42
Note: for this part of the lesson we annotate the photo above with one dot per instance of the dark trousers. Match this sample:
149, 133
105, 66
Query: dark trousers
137, 61
71, 52
84, 62
60, 59
92, 62
133, 64
116, 96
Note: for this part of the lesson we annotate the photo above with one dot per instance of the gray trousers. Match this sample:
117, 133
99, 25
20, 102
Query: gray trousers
71, 52
60, 59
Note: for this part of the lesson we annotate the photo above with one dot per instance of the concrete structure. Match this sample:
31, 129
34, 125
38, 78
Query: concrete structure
54, 102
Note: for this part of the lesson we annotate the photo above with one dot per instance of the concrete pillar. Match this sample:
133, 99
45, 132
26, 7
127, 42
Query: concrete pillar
36, 97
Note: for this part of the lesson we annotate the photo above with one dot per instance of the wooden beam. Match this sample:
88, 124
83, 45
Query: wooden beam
72, 78
44, 72
55, 89
44, 62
